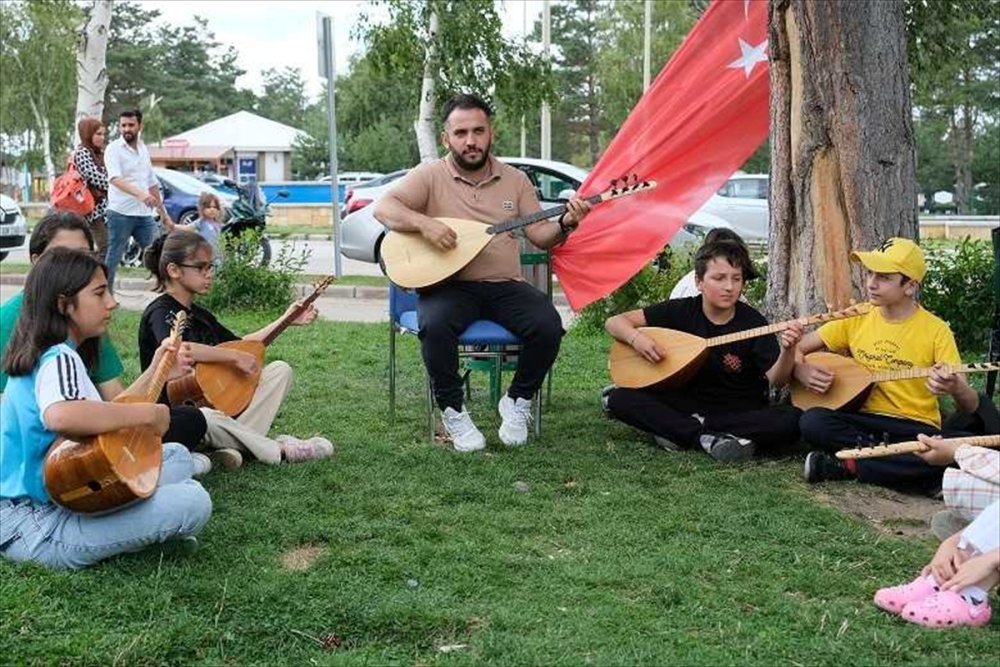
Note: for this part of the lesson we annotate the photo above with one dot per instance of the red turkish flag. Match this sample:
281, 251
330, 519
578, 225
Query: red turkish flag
705, 114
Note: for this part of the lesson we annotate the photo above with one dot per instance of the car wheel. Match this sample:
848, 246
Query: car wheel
133, 254
378, 254
187, 217
3, 256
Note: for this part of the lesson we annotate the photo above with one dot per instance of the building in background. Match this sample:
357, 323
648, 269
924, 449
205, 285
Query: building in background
242, 146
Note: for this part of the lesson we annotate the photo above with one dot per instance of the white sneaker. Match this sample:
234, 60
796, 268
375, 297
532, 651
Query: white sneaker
516, 415
202, 464
464, 434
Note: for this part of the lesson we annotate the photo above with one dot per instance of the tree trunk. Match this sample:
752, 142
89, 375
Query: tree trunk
91, 73
424, 125
843, 172
962, 119
42, 121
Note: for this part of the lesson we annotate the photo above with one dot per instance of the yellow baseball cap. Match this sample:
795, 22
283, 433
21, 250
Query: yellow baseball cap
895, 255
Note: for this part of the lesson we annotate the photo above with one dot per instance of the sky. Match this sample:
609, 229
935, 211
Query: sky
269, 34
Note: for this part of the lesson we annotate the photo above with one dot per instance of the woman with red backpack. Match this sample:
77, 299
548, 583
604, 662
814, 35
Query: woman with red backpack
88, 159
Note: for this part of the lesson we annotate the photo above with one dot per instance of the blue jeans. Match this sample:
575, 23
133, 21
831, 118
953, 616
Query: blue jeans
59, 538
144, 228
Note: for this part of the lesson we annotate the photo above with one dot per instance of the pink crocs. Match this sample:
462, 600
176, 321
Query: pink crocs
894, 598
947, 609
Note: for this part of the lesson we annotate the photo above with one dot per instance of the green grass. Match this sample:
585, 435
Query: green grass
616, 554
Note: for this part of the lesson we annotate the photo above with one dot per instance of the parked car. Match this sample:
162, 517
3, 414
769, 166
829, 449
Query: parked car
181, 191
741, 204
13, 227
362, 194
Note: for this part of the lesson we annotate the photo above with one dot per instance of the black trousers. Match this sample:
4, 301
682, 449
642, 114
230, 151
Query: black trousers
831, 431
445, 311
669, 414
187, 426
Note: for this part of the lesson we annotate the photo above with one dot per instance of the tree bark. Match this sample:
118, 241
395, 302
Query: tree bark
424, 125
91, 71
843, 173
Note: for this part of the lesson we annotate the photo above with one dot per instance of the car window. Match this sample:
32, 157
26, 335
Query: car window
548, 184
746, 188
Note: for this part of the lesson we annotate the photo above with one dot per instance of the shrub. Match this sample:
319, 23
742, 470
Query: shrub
242, 283
654, 283
958, 289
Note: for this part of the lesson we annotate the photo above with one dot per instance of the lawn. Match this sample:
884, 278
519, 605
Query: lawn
586, 547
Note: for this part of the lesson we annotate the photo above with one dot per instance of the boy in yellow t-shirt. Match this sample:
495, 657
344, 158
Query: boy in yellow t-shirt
897, 335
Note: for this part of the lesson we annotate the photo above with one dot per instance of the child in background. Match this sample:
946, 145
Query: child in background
953, 589
182, 264
67, 307
209, 223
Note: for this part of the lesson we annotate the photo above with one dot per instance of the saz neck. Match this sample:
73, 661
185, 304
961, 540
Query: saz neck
913, 373
288, 319
525, 220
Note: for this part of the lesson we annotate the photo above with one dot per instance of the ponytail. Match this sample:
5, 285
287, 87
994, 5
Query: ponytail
177, 247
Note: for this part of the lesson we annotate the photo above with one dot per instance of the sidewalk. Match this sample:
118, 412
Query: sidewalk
339, 303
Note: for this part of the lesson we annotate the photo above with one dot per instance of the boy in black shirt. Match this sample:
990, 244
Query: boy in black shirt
724, 407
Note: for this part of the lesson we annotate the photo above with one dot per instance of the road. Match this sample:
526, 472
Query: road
320, 259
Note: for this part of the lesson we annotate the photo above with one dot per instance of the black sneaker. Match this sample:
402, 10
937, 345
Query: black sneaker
605, 394
666, 443
728, 447
822, 467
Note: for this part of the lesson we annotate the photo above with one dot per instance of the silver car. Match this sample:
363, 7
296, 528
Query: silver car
13, 227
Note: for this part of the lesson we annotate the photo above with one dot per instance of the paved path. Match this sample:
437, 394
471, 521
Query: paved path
346, 304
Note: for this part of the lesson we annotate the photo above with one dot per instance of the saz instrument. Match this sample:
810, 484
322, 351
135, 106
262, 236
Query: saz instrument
685, 353
222, 385
411, 261
852, 382
115, 469
914, 446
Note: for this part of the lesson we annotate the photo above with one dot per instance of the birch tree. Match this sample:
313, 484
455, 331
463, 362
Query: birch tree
91, 69
461, 49
37, 72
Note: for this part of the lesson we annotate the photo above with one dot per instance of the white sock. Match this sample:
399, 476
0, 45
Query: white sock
973, 594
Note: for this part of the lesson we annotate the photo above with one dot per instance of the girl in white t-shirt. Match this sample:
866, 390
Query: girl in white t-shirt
67, 307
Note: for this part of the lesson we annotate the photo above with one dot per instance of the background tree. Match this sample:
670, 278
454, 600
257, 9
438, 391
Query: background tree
184, 70
37, 64
842, 148
460, 47
91, 66
954, 55
284, 98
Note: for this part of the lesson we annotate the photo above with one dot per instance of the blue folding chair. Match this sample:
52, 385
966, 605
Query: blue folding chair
483, 339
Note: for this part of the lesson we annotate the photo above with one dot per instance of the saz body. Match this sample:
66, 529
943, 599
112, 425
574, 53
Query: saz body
114, 469
852, 382
221, 385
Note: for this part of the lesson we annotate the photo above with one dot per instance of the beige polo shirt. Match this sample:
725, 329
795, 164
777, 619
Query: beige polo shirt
437, 189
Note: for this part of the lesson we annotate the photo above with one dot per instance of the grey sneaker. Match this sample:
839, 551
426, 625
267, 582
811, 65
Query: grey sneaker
202, 464
180, 546
728, 447
666, 444
227, 459
946, 523
605, 394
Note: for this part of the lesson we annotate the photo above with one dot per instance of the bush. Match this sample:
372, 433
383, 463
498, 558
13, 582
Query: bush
243, 284
654, 283
958, 289
651, 285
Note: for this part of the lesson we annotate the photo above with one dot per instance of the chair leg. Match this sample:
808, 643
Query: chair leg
392, 374
496, 377
538, 413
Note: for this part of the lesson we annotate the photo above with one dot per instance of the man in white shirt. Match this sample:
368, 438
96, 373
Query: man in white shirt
133, 194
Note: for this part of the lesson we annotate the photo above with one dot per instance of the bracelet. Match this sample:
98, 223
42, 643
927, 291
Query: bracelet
634, 336
562, 226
